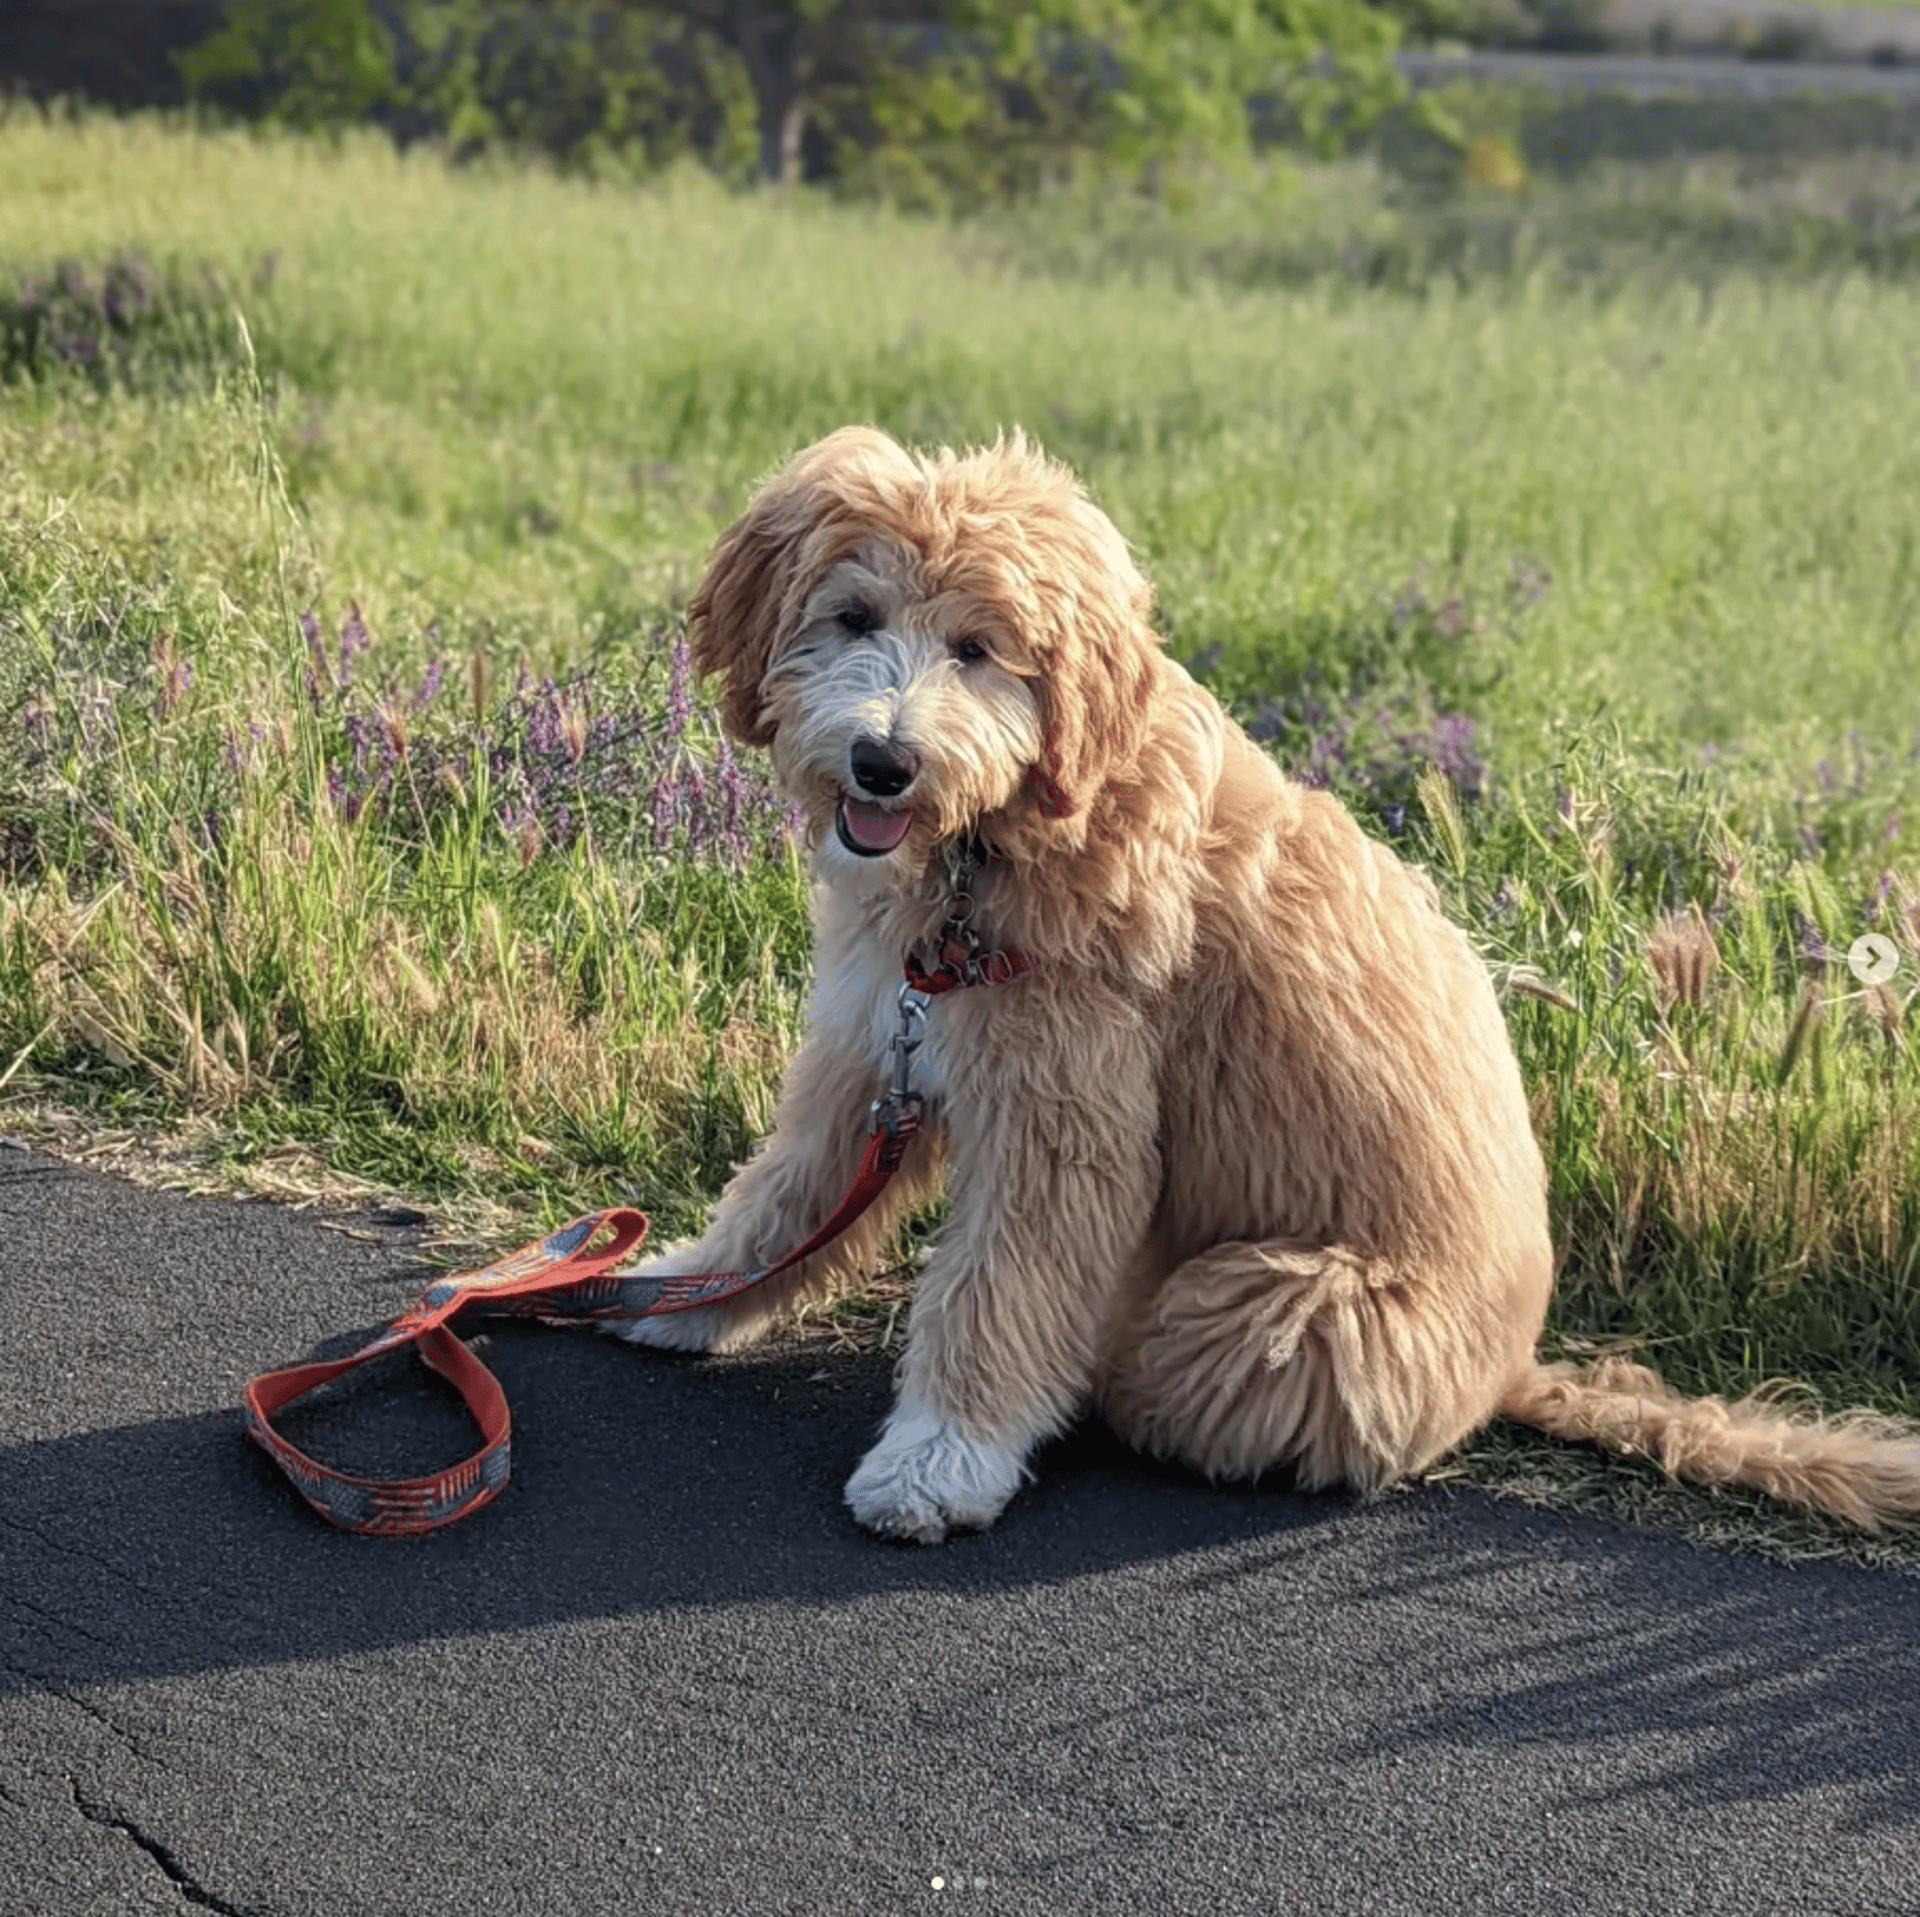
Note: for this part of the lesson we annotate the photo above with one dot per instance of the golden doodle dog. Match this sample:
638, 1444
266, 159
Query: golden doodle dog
1243, 1161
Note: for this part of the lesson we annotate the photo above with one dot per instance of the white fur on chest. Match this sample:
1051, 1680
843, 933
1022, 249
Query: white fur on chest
856, 997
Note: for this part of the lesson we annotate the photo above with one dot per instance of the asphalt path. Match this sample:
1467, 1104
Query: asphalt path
665, 1673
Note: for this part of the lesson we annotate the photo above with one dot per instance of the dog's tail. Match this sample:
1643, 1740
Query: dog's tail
1857, 1466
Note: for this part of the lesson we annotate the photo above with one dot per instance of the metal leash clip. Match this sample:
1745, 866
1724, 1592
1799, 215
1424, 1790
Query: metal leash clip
901, 1103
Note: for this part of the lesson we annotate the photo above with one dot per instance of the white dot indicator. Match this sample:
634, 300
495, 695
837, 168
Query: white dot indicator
1873, 959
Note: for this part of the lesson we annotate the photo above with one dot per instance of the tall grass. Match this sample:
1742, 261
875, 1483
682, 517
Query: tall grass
351, 789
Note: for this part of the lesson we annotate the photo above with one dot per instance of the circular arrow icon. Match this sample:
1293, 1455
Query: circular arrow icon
1873, 959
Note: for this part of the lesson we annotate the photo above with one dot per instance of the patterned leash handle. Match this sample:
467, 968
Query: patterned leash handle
572, 1276
566, 1275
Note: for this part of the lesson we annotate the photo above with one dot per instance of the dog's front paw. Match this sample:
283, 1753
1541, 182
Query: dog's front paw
926, 1478
696, 1330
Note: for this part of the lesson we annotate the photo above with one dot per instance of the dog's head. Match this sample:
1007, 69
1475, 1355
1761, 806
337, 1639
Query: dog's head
929, 645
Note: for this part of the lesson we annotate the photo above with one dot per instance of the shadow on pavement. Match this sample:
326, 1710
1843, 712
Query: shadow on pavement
647, 1485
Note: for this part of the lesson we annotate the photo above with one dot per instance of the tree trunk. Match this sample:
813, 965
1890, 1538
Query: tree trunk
777, 68
793, 131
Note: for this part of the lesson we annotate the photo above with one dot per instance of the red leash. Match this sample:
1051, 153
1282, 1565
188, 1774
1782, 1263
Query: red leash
573, 1276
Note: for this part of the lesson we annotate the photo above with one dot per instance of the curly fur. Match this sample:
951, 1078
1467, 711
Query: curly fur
1246, 1161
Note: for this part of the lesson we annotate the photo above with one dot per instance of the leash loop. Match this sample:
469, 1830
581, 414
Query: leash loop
577, 1274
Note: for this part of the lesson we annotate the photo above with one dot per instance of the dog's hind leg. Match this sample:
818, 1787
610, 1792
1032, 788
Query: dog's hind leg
1257, 1357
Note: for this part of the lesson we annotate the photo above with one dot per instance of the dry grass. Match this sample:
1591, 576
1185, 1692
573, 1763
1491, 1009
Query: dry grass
324, 939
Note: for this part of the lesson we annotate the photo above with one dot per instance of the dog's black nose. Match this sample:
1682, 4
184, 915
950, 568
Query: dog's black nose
883, 770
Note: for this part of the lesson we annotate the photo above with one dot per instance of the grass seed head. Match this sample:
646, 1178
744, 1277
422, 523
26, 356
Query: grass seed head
1442, 807
1885, 1010
1906, 916
1684, 956
1808, 1015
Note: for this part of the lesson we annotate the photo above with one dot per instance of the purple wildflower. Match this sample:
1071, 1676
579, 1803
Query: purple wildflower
666, 807
543, 721
1453, 738
679, 688
731, 784
319, 671
698, 813
1812, 941
354, 640
345, 800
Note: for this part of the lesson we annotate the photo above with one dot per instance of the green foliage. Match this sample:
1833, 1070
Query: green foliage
961, 102
321, 63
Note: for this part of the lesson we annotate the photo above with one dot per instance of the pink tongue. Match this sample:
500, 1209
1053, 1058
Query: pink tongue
872, 827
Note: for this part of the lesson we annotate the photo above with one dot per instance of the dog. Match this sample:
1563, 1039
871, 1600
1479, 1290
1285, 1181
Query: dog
1241, 1158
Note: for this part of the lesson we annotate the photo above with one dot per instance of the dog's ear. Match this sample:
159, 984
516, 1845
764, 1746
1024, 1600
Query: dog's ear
734, 616
1101, 668
770, 558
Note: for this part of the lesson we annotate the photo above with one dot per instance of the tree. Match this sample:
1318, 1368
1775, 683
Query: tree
319, 62
907, 96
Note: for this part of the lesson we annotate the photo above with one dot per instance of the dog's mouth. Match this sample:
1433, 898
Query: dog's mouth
870, 831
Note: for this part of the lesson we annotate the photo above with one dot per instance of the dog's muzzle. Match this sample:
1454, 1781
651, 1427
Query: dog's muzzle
881, 771
870, 831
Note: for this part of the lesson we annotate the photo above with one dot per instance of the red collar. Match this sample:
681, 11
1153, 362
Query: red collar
960, 967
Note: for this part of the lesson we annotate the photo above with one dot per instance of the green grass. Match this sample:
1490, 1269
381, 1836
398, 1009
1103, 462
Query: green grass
1623, 473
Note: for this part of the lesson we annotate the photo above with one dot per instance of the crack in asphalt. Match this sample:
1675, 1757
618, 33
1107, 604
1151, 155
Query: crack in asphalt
40, 1681
176, 1872
50, 1621
106, 1564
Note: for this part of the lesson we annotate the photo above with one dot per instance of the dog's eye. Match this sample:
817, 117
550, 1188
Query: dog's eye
969, 649
859, 618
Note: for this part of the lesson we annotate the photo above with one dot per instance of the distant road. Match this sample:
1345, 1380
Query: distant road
1695, 23
1645, 76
